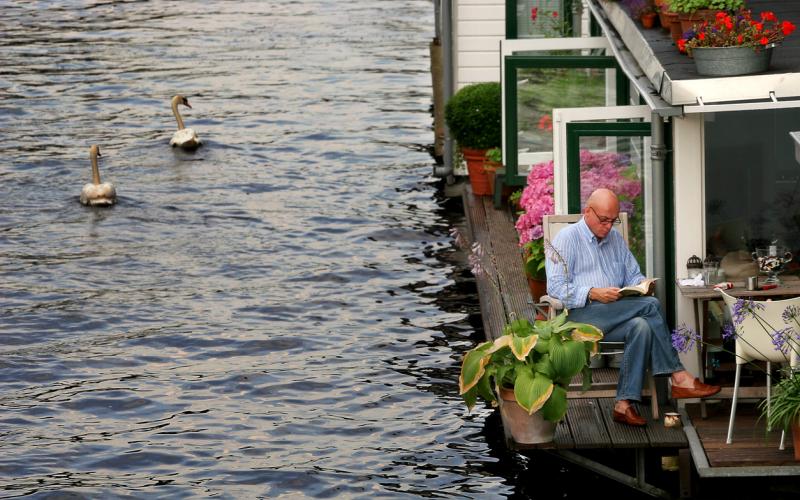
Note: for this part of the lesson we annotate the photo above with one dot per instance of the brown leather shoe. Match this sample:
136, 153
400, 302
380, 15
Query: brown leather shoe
630, 417
698, 390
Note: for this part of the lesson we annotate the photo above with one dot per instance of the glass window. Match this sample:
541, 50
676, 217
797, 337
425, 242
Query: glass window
618, 164
752, 187
540, 90
542, 18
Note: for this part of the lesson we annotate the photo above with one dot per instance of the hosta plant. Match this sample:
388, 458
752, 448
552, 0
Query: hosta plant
537, 359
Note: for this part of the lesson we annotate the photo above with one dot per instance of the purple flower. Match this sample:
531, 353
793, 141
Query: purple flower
743, 307
781, 339
728, 331
684, 338
790, 313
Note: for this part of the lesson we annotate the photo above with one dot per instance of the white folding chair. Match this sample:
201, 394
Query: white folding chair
753, 342
552, 224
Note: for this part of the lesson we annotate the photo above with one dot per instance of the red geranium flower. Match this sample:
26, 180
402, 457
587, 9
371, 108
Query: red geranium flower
534, 14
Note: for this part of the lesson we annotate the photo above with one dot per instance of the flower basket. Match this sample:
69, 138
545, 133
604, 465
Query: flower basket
731, 61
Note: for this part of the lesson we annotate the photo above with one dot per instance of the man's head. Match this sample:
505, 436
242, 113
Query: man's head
602, 209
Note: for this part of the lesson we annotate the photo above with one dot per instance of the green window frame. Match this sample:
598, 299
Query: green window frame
512, 26
577, 130
516, 62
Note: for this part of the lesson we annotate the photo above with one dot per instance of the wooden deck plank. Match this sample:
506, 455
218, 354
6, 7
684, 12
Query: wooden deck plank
492, 310
665, 437
623, 436
751, 445
586, 424
508, 260
563, 439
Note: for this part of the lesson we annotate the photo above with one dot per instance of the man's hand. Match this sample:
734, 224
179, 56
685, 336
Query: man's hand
604, 295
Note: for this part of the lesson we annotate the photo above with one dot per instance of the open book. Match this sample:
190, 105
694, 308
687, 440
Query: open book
641, 289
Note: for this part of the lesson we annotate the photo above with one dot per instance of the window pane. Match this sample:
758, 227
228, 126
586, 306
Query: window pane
618, 164
752, 186
540, 90
541, 18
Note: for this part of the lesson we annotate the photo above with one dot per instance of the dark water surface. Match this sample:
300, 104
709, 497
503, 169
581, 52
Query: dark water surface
275, 314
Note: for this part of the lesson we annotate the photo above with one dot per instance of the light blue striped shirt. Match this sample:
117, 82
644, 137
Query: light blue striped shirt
589, 264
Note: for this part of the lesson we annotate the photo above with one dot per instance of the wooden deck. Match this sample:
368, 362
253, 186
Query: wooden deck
588, 424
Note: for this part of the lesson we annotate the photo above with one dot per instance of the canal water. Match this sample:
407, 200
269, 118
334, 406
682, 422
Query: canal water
279, 314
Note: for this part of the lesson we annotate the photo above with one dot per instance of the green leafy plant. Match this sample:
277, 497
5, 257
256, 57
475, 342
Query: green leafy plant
687, 6
534, 258
474, 116
538, 360
495, 155
784, 409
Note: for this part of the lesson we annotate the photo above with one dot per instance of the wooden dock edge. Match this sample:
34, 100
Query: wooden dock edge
705, 470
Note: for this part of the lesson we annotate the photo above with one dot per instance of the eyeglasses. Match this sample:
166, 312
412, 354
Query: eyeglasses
605, 220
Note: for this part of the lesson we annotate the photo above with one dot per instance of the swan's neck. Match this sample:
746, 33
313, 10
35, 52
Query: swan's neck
177, 115
95, 169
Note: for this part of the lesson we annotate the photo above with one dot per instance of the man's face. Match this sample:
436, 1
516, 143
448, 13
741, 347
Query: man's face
600, 219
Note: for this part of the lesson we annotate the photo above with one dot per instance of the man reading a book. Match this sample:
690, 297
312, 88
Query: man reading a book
588, 264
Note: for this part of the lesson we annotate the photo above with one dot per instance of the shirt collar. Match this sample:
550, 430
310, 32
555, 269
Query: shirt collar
588, 234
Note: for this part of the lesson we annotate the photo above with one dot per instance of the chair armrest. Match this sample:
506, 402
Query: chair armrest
552, 302
555, 305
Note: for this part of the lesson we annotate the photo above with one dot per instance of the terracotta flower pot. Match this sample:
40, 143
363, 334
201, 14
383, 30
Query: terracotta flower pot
538, 288
796, 440
478, 177
491, 169
649, 20
524, 428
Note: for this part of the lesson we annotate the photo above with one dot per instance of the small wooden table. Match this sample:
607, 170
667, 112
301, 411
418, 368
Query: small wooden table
702, 295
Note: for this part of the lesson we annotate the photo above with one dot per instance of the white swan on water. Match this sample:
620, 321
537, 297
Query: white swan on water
185, 138
96, 193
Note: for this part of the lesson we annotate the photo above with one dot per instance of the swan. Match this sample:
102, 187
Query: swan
185, 138
96, 193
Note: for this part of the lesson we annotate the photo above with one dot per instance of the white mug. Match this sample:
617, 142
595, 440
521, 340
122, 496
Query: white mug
672, 419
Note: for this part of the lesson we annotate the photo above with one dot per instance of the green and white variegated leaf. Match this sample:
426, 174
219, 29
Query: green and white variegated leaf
473, 366
542, 346
484, 389
521, 346
584, 332
520, 327
556, 407
471, 397
543, 328
532, 390
559, 320
568, 358
545, 367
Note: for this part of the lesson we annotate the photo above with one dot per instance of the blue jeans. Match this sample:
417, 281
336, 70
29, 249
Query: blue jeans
639, 323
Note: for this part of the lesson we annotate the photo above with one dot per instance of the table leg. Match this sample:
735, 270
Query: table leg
699, 328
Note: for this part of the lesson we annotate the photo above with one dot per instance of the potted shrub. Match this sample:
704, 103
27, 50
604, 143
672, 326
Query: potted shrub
692, 12
473, 116
527, 370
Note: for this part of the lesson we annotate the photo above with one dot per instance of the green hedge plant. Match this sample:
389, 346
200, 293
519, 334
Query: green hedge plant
686, 6
474, 116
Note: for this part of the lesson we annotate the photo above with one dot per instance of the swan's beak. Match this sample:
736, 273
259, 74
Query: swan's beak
188, 105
